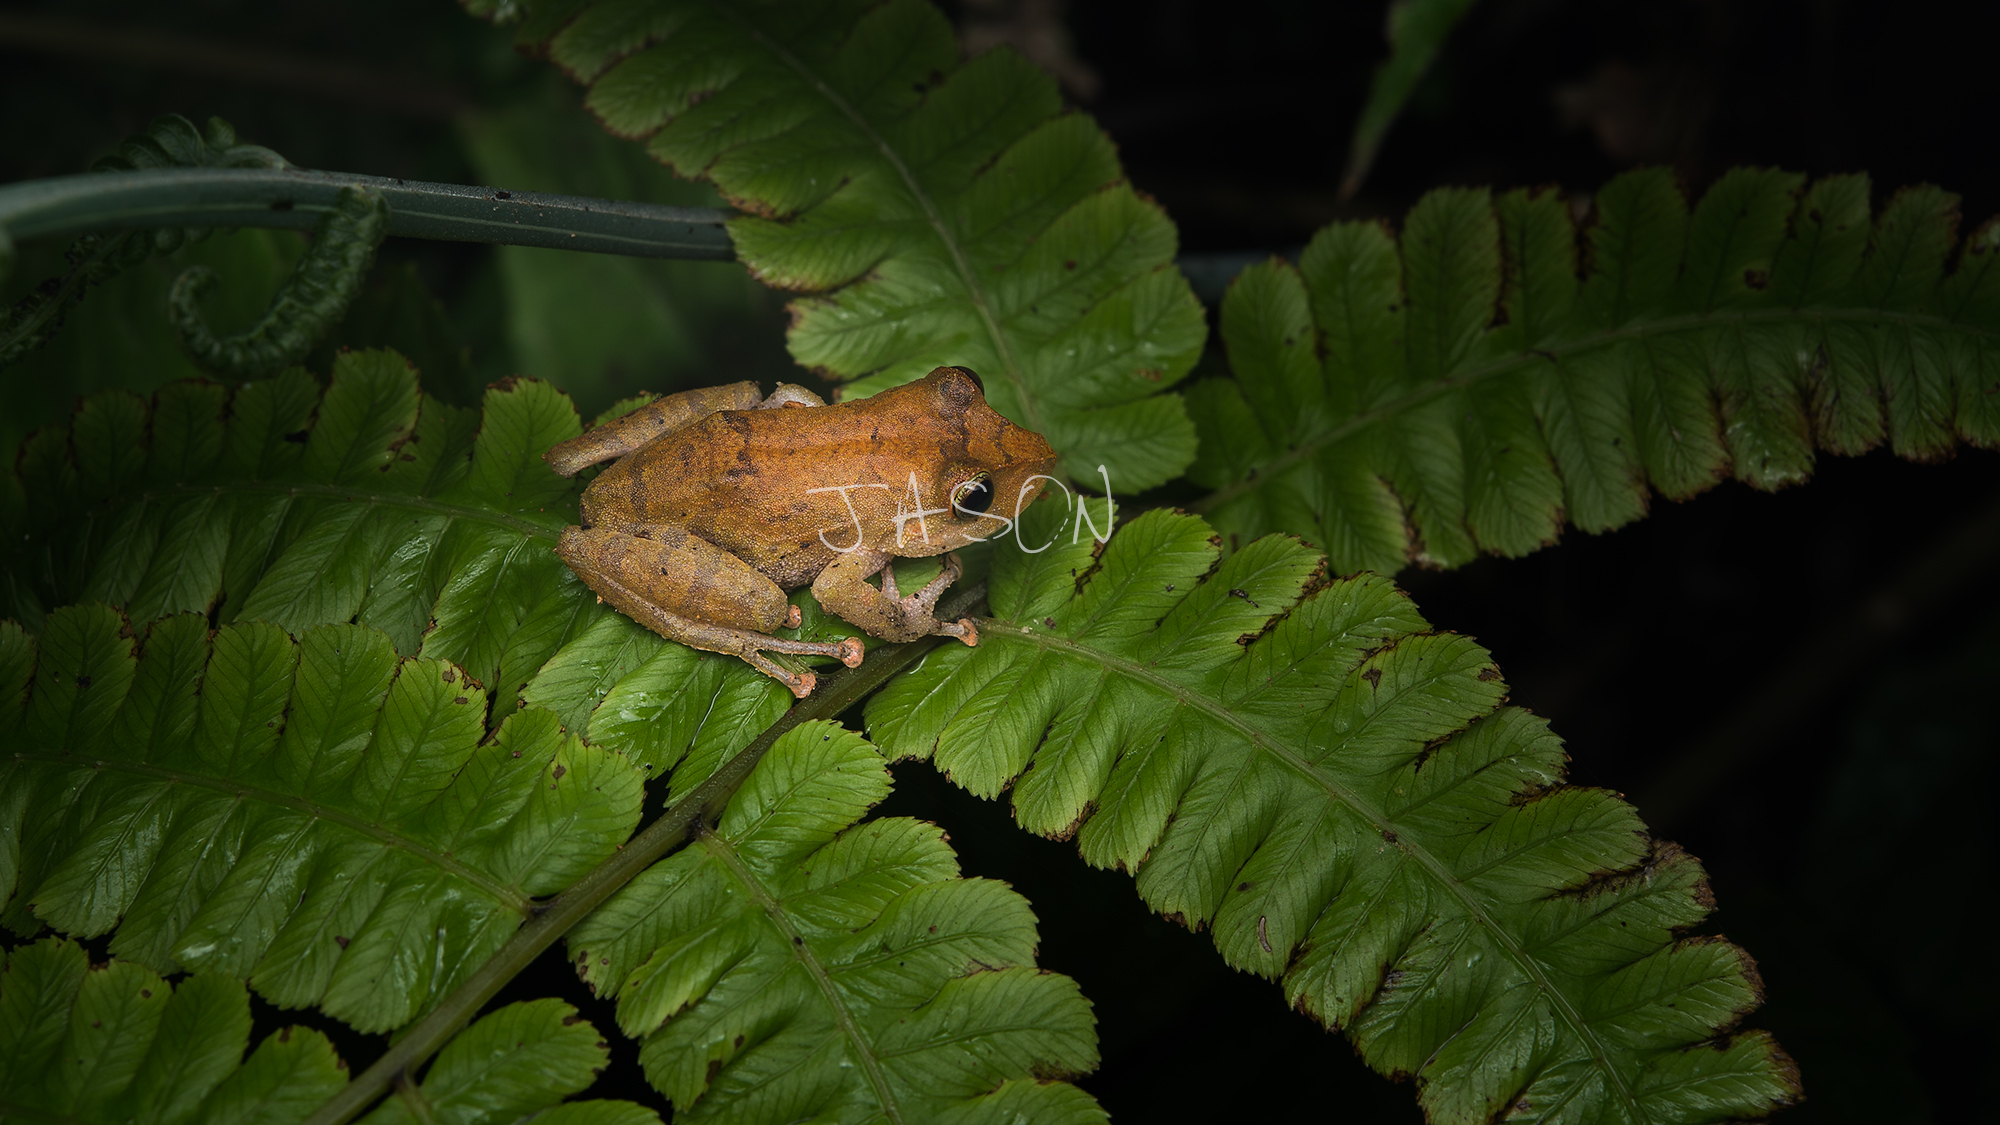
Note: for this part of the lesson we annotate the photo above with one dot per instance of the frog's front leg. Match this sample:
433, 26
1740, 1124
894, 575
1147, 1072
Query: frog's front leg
843, 590
689, 590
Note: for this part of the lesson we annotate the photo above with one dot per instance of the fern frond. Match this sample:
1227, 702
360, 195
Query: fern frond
316, 816
116, 1043
941, 213
1463, 389
793, 965
1343, 798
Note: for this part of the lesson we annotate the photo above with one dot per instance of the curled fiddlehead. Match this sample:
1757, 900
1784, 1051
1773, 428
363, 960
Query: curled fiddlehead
171, 141
311, 302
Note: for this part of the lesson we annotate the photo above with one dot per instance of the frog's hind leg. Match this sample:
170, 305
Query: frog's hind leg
649, 423
689, 590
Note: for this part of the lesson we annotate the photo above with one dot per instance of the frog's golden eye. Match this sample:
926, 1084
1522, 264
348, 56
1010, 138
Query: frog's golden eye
974, 496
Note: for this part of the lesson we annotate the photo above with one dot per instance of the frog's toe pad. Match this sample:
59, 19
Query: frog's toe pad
965, 631
850, 651
793, 618
802, 684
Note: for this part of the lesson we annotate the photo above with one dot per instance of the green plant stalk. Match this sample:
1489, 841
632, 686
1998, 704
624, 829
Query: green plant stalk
66, 206
674, 828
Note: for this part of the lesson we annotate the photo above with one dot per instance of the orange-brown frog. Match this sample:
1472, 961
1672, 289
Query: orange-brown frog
723, 499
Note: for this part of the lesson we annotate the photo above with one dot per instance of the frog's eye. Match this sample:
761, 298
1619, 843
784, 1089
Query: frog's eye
974, 496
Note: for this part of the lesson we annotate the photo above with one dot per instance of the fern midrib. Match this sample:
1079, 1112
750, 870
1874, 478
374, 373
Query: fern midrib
1405, 839
967, 276
1481, 373
802, 951
510, 897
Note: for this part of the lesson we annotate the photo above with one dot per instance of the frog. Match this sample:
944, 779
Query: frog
719, 500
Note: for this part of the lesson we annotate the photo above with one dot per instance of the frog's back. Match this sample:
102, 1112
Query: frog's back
744, 480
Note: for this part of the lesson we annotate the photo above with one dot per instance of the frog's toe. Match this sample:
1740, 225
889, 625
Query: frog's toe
801, 683
963, 629
851, 651
793, 618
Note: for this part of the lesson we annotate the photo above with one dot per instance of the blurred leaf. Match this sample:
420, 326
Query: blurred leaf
604, 327
119, 336
1416, 32
1913, 786
397, 312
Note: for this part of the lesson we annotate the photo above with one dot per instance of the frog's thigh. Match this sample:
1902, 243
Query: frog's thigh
672, 573
650, 422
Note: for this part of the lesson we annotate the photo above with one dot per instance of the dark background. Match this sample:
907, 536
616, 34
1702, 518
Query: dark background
1799, 687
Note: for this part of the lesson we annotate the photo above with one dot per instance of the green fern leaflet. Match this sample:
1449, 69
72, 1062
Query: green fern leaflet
1463, 390
1340, 793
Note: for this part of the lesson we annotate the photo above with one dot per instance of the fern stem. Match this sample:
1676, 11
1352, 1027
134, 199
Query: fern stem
65, 206
673, 829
